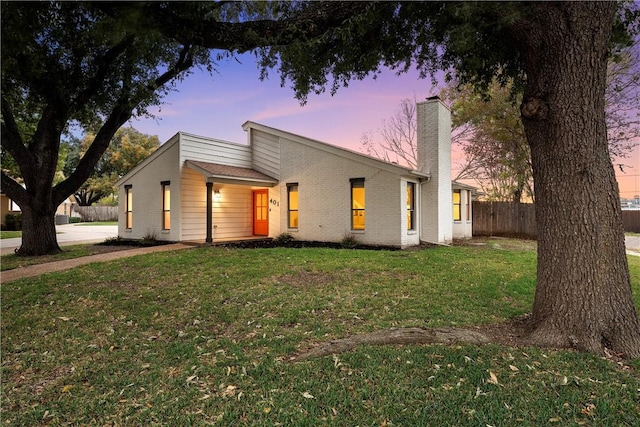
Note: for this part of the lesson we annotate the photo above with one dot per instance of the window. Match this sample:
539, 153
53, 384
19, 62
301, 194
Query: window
467, 204
128, 206
292, 204
166, 205
457, 213
411, 205
357, 204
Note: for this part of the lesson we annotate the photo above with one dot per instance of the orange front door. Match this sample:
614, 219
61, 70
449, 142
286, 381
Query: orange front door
261, 212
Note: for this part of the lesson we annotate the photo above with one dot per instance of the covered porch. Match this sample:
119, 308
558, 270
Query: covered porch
241, 204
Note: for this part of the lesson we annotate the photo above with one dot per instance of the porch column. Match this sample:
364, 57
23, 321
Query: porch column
209, 238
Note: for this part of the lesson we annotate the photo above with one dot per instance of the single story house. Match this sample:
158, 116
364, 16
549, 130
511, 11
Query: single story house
202, 189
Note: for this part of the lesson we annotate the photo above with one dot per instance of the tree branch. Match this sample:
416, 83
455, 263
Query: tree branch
310, 22
11, 139
105, 63
12, 189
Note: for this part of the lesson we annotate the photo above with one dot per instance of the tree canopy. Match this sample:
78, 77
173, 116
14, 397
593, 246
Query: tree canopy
556, 55
96, 65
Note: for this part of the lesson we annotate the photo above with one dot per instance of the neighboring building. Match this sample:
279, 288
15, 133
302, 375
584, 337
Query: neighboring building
631, 204
9, 206
201, 189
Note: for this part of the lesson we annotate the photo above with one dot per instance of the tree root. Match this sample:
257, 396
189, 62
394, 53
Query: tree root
395, 336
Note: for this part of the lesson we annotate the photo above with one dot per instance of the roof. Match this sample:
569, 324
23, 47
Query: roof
214, 170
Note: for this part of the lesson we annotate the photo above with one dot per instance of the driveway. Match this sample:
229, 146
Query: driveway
70, 234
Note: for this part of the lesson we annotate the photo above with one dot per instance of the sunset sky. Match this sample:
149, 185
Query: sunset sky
217, 106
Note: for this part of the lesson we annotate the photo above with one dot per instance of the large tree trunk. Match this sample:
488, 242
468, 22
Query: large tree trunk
38, 232
583, 295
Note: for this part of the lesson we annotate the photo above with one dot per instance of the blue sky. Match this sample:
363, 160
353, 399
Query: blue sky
217, 105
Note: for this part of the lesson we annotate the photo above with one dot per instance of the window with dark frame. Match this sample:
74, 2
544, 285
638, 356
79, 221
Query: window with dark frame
357, 204
128, 206
166, 205
411, 205
457, 207
292, 205
467, 204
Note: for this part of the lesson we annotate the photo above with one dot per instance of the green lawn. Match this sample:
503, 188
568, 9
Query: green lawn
4, 234
204, 336
11, 261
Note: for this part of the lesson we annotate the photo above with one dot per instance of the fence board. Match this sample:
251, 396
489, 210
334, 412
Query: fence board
519, 220
631, 221
504, 219
96, 213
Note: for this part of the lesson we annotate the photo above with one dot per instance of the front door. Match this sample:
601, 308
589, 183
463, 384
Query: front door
261, 212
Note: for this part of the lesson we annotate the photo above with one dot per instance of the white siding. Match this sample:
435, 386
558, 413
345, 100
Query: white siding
214, 151
193, 205
266, 153
232, 215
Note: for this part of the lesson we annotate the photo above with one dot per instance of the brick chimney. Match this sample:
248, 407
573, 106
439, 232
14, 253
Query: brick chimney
434, 158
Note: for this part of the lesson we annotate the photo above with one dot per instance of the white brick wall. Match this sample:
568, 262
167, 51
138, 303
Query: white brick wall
434, 157
324, 192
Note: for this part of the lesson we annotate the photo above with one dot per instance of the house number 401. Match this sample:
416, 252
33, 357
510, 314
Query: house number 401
274, 202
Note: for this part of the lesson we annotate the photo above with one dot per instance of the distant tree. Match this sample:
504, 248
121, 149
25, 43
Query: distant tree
622, 101
497, 155
488, 128
127, 148
395, 140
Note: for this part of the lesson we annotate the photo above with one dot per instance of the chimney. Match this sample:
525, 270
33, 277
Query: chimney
434, 158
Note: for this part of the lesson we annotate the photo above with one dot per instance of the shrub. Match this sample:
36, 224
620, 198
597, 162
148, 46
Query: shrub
349, 241
13, 222
282, 239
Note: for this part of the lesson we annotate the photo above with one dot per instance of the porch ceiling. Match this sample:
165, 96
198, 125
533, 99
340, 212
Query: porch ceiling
231, 174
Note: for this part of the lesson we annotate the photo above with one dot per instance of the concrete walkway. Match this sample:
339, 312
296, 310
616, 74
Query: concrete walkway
36, 270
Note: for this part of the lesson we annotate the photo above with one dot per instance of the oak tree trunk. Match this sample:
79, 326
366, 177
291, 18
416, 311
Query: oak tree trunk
38, 232
583, 296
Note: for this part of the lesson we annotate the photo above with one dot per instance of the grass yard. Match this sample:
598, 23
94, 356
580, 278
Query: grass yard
11, 261
203, 337
6, 234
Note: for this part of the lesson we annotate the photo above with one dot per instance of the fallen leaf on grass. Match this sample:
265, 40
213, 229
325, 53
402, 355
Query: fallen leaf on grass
589, 409
493, 379
308, 395
514, 368
67, 388
229, 391
63, 318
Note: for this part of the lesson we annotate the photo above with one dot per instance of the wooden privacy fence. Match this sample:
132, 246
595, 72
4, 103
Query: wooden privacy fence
519, 220
504, 219
631, 220
96, 213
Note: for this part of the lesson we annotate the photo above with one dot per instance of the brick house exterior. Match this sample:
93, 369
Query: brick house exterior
202, 189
